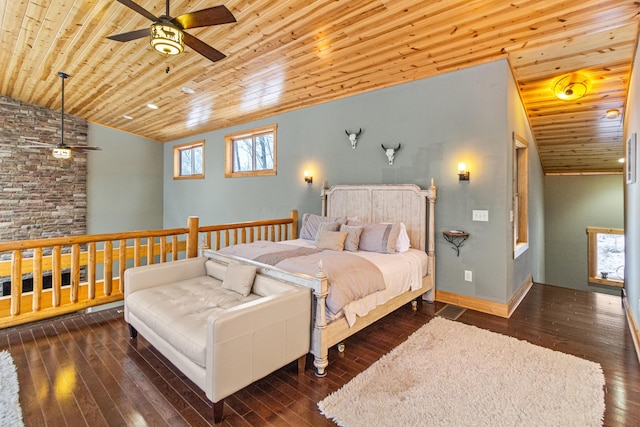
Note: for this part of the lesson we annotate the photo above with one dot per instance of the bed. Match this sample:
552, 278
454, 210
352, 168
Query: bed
378, 204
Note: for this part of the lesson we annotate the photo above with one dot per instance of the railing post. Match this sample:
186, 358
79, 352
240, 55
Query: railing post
294, 224
192, 237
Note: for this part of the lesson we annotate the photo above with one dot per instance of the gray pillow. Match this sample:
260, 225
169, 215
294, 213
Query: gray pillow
352, 241
239, 278
326, 226
378, 237
310, 223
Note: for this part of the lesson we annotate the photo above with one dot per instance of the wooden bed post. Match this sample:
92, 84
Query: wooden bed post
319, 349
430, 296
323, 194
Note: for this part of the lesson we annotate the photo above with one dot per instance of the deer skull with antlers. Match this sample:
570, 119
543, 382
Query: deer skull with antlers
353, 137
391, 153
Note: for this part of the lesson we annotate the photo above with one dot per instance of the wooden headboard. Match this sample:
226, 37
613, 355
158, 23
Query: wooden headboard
405, 203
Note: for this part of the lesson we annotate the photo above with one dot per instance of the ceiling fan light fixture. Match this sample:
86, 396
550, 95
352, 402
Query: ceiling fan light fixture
61, 153
166, 38
571, 87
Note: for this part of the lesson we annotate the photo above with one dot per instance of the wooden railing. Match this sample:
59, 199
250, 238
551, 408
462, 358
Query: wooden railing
96, 263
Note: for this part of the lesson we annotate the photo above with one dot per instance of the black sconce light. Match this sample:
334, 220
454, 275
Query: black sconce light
463, 173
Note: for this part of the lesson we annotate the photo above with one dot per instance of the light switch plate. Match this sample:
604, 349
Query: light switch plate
480, 215
468, 276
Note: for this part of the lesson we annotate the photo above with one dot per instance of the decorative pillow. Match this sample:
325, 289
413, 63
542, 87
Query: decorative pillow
353, 237
403, 243
333, 240
378, 237
239, 278
310, 222
326, 226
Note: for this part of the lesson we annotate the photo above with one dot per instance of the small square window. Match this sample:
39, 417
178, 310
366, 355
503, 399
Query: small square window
251, 153
188, 160
606, 256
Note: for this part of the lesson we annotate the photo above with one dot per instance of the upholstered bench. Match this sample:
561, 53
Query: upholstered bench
224, 326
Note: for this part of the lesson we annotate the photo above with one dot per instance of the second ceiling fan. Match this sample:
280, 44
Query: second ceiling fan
167, 34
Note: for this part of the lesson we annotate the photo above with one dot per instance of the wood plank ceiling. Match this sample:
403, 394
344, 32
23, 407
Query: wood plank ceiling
286, 54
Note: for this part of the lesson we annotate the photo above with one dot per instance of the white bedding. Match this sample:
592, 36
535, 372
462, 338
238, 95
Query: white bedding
401, 271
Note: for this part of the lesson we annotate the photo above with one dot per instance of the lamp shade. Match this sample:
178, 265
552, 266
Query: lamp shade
166, 38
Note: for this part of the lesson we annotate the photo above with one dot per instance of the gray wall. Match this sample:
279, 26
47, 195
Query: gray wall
573, 203
124, 182
530, 262
440, 121
632, 199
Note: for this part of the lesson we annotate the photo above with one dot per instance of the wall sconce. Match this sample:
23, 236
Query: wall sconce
307, 177
463, 173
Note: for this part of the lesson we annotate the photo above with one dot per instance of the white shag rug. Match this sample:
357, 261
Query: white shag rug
451, 374
10, 411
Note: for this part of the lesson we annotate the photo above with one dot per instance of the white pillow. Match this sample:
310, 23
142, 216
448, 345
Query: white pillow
403, 244
239, 278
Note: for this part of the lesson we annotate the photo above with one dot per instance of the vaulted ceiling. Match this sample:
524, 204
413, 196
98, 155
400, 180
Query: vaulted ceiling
287, 54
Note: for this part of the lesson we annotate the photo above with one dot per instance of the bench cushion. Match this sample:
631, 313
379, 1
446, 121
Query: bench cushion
178, 312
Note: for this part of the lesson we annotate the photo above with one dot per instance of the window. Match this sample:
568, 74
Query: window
188, 160
520, 211
251, 153
606, 256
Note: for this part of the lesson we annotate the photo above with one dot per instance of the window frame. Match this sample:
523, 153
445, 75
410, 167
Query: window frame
592, 256
177, 154
252, 133
520, 207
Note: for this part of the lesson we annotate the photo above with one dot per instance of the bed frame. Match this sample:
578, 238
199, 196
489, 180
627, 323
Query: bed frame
370, 203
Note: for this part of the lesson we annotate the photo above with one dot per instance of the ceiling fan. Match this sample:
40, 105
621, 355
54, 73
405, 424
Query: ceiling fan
60, 150
167, 34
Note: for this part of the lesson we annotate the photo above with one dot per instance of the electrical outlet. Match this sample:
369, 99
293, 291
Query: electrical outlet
480, 215
468, 276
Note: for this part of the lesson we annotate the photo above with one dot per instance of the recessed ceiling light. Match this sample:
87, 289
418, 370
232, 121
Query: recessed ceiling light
621, 160
152, 106
188, 90
127, 117
612, 114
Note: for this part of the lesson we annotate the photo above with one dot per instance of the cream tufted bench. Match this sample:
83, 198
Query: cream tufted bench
220, 339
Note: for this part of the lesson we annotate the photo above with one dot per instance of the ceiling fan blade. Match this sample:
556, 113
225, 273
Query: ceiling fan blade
131, 35
202, 48
46, 147
38, 144
141, 10
203, 18
82, 148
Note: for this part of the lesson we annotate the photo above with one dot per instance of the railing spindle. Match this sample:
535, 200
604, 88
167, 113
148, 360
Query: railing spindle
56, 276
36, 301
91, 271
108, 268
150, 250
122, 262
16, 282
75, 273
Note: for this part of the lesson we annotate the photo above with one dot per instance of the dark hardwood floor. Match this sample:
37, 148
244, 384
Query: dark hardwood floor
84, 369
